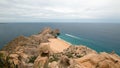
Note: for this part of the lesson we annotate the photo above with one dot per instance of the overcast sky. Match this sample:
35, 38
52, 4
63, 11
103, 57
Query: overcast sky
59, 10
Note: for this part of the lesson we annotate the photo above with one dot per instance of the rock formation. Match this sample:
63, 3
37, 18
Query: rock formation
35, 52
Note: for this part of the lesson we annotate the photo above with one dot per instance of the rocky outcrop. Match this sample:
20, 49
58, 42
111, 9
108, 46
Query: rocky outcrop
84, 57
92, 60
35, 52
14, 43
49, 31
66, 59
22, 51
102, 60
77, 51
41, 62
45, 34
43, 58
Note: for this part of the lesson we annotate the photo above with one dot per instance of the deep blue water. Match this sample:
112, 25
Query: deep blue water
98, 36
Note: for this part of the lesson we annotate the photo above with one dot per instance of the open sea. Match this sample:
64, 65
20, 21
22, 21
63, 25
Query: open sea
98, 36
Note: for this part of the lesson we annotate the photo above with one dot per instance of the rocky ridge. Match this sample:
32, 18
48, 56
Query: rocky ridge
34, 52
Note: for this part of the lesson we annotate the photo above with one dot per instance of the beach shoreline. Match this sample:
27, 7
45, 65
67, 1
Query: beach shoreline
58, 44
64, 41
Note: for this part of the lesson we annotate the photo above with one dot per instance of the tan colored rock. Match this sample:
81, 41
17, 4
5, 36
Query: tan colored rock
78, 51
102, 60
64, 62
54, 64
41, 62
45, 50
3, 55
14, 58
46, 30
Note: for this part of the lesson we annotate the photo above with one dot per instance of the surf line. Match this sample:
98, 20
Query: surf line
72, 36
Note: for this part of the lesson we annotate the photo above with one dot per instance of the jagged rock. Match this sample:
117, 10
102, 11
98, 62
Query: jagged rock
102, 60
3, 55
46, 30
13, 44
41, 62
74, 64
77, 51
3, 59
14, 58
90, 59
45, 50
43, 58
55, 32
64, 62
49, 33
53, 64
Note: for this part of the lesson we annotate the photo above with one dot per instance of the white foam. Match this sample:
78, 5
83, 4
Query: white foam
78, 38
72, 36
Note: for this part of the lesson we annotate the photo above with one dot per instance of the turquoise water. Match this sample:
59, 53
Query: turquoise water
98, 36
74, 40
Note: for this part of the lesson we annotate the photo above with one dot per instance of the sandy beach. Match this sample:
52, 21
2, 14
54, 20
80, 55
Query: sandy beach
58, 45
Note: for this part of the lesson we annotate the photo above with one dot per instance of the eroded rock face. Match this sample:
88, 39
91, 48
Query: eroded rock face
41, 62
43, 58
64, 62
89, 59
48, 32
22, 51
3, 58
14, 43
102, 60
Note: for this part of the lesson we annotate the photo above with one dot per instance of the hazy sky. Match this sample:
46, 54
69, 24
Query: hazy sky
59, 10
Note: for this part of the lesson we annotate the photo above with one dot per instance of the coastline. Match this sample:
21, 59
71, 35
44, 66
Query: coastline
64, 41
45, 47
58, 45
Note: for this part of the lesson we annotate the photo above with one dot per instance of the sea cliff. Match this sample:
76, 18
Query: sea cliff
45, 50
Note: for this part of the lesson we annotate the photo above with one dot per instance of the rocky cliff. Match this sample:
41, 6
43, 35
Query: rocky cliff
34, 52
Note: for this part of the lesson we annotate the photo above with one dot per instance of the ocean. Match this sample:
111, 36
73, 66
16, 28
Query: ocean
98, 36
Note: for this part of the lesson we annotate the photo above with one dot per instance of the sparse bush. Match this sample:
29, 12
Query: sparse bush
79, 56
69, 55
32, 59
55, 57
1, 54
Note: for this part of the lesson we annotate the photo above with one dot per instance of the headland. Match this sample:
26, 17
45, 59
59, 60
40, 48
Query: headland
46, 50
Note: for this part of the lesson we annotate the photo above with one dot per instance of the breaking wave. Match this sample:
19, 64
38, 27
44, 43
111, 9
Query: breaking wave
73, 36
